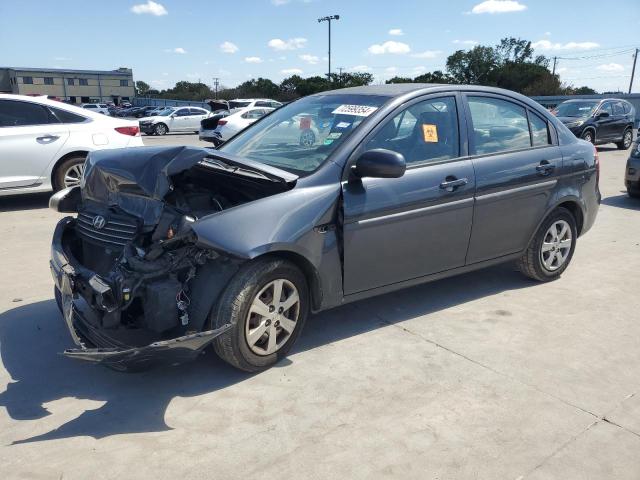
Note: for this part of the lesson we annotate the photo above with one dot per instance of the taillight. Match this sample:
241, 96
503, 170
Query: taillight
131, 131
222, 122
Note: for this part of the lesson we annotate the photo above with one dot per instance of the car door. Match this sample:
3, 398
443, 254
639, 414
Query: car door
30, 138
397, 229
180, 121
197, 115
620, 121
516, 161
605, 129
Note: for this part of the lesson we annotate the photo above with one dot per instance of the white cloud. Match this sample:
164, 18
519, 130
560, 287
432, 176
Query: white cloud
562, 70
291, 71
277, 3
610, 67
151, 8
228, 47
418, 70
547, 34
360, 68
470, 43
427, 54
547, 45
176, 50
391, 70
310, 59
498, 6
253, 59
291, 44
396, 32
389, 47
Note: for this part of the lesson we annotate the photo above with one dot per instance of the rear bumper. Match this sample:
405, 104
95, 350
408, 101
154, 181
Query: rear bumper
632, 169
82, 295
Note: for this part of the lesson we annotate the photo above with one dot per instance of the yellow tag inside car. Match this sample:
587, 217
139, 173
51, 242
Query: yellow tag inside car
430, 133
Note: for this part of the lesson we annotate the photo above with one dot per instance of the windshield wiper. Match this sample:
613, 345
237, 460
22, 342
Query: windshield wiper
215, 163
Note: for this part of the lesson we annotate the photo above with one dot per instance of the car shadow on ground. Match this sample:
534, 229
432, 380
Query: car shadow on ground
622, 201
32, 201
32, 337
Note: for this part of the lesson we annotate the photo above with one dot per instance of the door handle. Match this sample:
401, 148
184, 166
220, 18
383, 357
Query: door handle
451, 183
545, 168
47, 138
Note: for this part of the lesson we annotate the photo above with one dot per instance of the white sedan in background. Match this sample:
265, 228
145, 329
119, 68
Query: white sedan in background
44, 143
232, 124
174, 119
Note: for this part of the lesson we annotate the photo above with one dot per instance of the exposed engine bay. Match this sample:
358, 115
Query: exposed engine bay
139, 271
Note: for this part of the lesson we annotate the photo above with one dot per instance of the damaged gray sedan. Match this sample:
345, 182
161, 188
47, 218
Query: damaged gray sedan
333, 198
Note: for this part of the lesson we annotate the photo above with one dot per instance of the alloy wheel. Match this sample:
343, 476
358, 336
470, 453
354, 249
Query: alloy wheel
272, 317
73, 175
556, 245
588, 137
627, 139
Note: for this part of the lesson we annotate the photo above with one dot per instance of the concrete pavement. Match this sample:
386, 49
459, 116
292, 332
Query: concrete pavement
486, 375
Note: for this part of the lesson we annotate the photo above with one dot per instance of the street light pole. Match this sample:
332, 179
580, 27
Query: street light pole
328, 20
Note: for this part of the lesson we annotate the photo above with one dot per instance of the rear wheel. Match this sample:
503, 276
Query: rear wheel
267, 302
160, 129
588, 136
627, 138
69, 172
633, 193
552, 248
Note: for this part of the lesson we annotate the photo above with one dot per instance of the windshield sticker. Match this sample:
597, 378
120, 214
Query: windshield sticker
328, 141
343, 125
334, 136
357, 110
305, 123
430, 133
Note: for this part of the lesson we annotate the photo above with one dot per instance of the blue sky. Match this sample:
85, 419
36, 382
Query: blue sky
170, 40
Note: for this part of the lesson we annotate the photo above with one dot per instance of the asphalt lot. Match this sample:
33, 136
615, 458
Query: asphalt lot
487, 376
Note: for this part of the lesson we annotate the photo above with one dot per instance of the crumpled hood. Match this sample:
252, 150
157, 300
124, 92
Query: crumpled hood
137, 179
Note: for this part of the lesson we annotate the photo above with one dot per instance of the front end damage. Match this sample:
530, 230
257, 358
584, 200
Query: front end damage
134, 284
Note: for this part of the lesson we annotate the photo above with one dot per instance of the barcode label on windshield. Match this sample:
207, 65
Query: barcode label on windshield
357, 110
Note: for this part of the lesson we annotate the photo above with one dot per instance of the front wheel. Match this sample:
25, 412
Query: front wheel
552, 247
267, 302
160, 129
69, 172
627, 138
588, 136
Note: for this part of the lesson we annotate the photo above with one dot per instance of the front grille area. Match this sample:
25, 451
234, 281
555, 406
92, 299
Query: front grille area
117, 231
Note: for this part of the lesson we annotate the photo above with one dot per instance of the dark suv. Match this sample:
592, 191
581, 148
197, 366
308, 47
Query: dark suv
171, 249
599, 121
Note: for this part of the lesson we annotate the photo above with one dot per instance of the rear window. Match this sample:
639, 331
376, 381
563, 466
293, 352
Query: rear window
90, 106
67, 117
21, 114
498, 125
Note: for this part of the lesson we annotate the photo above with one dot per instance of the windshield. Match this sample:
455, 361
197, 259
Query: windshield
575, 109
300, 136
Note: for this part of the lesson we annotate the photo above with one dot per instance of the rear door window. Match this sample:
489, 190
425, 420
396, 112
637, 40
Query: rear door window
21, 114
67, 117
539, 131
498, 125
618, 109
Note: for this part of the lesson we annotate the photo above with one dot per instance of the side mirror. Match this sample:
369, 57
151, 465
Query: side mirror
379, 163
602, 115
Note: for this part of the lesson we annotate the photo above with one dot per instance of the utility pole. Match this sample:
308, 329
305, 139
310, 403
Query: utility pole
633, 69
555, 59
216, 82
328, 20
340, 69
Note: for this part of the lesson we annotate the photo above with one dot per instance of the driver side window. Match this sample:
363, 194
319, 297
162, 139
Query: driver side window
425, 132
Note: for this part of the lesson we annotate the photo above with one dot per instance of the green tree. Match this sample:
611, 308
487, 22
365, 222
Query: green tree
473, 66
437, 76
258, 87
142, 87
399, 80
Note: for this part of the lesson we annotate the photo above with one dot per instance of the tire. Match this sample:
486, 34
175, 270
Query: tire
69, 172
160, 129
589, 136
236, 306
58, 296
627, 139
633, 193
532, 263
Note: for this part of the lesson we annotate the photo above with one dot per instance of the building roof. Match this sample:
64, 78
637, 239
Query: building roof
66, 70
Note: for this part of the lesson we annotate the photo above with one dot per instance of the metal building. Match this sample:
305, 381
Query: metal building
74, 86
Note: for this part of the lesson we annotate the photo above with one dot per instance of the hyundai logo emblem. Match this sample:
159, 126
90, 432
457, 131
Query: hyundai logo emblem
99, 222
